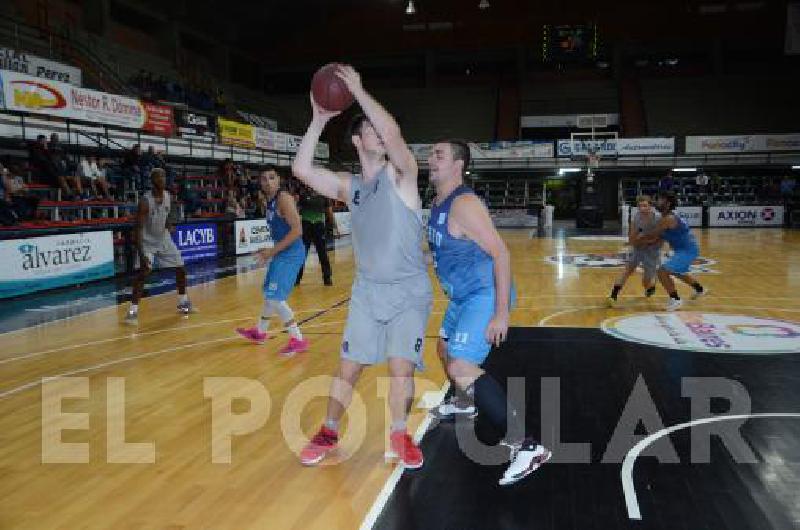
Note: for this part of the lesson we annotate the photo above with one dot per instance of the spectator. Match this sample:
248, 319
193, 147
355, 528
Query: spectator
64, 166
702, 183
227, 172
43, 168
132, 166
15, 203
666, 184
92, 170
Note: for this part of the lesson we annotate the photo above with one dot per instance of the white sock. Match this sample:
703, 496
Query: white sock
134, 309
266, 313
294, 331
183, 298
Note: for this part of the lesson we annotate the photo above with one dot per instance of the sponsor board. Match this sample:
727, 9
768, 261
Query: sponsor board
197, 241
707, 332
39, 263
24, 93
252, 235
33, 65
743, 143
745, 216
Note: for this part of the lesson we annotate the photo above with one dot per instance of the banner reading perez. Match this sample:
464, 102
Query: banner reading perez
39, 263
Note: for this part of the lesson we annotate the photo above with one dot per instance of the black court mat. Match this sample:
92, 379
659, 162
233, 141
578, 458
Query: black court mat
596, 377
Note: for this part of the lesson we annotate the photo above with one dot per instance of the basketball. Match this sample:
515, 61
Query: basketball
329, 91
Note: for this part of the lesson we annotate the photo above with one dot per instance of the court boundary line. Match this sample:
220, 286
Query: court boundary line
626, 473
385, 493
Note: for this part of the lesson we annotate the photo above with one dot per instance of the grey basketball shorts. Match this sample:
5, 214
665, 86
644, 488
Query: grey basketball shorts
163, 255
387, 320
649, 259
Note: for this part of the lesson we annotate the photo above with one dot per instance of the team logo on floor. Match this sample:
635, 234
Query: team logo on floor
708, 332
603, 260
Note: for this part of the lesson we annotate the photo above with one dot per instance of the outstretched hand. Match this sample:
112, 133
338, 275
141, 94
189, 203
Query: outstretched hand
350, 77
319, 113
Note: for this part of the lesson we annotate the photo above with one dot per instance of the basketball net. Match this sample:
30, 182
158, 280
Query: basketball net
593, 162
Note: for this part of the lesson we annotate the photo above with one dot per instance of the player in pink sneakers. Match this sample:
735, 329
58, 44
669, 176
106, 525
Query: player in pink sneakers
285, 260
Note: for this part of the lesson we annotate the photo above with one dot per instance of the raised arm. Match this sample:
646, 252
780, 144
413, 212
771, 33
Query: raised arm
325, 182
471, 219
383, 122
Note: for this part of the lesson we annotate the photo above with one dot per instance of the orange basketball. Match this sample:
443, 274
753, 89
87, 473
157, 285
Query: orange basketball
329, 91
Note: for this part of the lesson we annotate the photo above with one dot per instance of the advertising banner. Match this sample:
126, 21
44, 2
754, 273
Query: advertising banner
195, 125
235, 133
196, 241
743, 143
693, 215
38, 263
745, 216
28, 64
252, 235
617, 147
24, 93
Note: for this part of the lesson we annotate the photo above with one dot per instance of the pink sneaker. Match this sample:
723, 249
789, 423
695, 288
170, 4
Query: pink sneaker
252, 334
294, 346
320, 445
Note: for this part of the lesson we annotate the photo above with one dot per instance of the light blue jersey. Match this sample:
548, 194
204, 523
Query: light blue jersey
462, 266
284, 266
466, 274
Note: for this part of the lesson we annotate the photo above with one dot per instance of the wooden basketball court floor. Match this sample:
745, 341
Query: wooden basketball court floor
151, 386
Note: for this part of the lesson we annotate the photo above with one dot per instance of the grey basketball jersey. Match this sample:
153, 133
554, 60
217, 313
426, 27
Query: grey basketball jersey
154, 230
387, 234
642, 225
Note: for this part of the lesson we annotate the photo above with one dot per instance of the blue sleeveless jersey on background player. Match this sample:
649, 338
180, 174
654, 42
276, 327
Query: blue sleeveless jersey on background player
466, 275
284, 266
684, 247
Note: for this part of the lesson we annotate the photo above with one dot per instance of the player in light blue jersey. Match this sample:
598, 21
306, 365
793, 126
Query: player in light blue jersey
474, 269
674, 230
285, 260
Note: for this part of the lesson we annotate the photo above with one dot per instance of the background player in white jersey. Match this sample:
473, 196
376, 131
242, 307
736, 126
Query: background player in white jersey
648, 256
155, 220
391, 297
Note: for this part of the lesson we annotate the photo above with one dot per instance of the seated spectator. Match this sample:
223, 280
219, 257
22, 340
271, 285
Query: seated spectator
702, 183
93, 171
132, 166
233, 205
227, 172
44, 169
15, 203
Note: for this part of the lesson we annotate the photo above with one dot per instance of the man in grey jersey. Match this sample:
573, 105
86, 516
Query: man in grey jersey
154, 221
391, 297
644, 220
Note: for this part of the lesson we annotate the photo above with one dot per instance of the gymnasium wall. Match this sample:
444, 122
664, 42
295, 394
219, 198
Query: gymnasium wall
721, 104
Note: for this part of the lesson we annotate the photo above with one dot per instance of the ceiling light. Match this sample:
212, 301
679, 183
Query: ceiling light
484, 4
410, 9
686, 169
